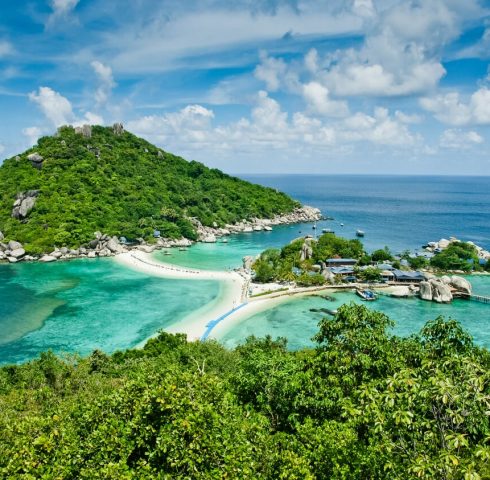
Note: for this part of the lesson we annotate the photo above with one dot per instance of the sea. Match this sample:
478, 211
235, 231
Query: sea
78, 306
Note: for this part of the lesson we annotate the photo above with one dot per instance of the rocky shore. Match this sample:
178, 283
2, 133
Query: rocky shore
106, 246
443, 243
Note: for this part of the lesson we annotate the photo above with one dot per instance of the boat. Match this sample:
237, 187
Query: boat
183, 249
367, 295
225, 240
341, 224
327, 230
166, 252
314, 226
360, 233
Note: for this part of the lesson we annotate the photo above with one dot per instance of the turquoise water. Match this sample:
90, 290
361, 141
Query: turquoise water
294, 321
82, 305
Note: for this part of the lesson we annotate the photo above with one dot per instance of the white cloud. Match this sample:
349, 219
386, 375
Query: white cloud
58, 111
270, 70
408, 118
402, 51
269, 127
379, 128
318, 101
56, 108
459, 139
451, 109
6, 48
364, 8
89, 118
190, 125
166, 37
106, 79
63, 7
32, 134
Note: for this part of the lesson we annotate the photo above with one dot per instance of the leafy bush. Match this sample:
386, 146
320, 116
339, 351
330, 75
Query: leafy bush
362, 404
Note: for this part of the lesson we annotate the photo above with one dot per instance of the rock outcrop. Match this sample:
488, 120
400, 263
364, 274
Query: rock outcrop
435, 290
301, 214
441, 293
460, 284
118, 128
24, 203
36, 160
84, 130
306, 250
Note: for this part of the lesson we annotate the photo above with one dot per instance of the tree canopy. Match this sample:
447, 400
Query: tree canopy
362, 404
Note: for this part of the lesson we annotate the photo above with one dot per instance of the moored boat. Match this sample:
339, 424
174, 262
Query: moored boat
360, 233
367, 295
327, 230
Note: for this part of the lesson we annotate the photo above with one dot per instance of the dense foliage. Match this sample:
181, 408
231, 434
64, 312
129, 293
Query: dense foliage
362, 404
121, 185
457, 256
277, 265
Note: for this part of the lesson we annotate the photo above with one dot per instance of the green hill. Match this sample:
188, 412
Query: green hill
107, 179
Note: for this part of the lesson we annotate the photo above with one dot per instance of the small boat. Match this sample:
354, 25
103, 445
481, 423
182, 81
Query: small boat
225, 240
359, 233
367, 295
182, 249
341, 224
166, 252
314, 226
327, 230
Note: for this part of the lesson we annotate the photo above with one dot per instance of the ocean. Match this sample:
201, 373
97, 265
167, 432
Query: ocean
81, 305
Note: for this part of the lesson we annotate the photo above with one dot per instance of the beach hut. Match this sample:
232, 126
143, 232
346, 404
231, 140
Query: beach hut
340, 262
408, 277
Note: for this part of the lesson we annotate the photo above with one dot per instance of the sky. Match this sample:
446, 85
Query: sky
258, 86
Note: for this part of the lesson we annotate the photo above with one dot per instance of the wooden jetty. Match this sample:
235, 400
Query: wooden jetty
476, 298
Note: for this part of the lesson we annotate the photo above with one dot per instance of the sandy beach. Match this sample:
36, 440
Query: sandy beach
233, 290
229, 308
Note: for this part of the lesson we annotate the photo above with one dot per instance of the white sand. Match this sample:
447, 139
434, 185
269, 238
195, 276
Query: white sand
233, 293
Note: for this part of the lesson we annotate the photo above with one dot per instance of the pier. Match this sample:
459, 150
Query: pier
476, 298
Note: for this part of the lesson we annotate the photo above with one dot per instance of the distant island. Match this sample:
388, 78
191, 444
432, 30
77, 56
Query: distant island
89, 179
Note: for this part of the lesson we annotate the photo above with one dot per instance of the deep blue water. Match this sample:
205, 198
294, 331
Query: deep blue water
399, 211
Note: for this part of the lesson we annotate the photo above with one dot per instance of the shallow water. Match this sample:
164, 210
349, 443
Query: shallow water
82, 305
294, 320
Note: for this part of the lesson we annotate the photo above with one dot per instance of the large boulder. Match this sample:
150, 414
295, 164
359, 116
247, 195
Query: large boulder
84, 130
306, 251
425, 291
443, 243
446, 280
209, 238
24, 203
461, 284
47, 259
13, 245
113, 245
441, 293
401, 291
18, 253
36, 160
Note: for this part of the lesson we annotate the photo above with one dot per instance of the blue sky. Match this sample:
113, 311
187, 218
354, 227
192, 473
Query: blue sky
309, 86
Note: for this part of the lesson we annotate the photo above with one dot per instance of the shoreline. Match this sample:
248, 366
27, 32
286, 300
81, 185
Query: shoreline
232, 304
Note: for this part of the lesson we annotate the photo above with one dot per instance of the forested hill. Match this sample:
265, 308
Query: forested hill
103, 178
